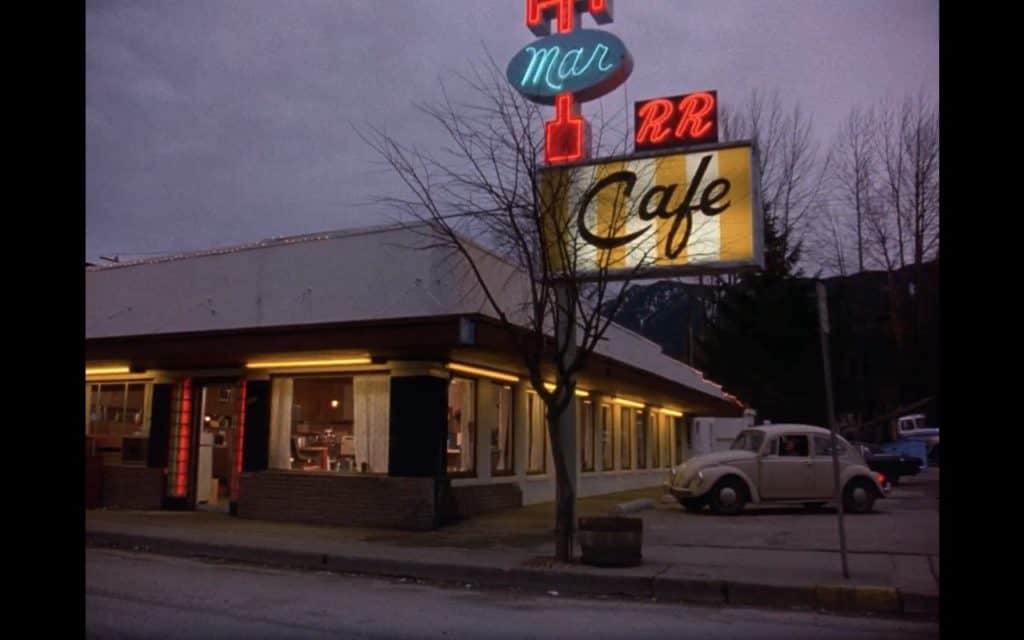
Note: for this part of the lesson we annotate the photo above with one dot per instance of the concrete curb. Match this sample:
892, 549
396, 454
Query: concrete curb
835, 598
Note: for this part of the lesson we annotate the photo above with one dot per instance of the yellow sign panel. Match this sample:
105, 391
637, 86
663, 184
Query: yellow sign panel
670, 214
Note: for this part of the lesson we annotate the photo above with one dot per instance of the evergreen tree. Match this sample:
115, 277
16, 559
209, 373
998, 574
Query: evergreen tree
761, 341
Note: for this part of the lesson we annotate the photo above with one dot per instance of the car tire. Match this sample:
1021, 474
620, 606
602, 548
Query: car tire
692, 506
859, 496
728, 497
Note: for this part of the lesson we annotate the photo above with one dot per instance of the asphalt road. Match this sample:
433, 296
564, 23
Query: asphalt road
132, 595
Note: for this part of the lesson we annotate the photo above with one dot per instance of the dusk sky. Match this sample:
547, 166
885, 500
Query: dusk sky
216, 122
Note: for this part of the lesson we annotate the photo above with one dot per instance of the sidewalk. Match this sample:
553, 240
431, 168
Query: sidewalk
512, 549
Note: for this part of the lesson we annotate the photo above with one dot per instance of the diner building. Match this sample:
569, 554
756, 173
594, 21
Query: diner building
358, 378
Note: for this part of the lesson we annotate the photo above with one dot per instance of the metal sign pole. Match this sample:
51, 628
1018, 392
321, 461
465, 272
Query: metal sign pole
823, 330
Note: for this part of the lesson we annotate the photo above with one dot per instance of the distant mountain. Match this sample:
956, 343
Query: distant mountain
884, 341
666, 312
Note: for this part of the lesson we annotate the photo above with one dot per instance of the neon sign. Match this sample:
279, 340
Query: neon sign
567, 137
676, 121
575, 65
585, 63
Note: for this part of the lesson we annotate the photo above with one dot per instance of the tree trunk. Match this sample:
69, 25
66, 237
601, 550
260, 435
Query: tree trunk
562, 428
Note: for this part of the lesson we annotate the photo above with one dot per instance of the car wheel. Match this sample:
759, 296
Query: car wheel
859, 496
692, 505
813, 506
894, 480
729, 496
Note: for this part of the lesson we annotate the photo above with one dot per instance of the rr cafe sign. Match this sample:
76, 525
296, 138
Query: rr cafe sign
655, 214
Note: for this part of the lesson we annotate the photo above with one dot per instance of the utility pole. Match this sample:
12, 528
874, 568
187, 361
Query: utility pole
823, 330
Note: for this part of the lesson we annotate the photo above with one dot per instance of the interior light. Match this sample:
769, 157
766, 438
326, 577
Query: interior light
94, 371
628, 403
672, 412
336, 362
580, 392
334, 404
487, 373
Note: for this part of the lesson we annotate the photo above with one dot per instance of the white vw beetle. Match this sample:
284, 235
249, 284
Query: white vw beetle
779, 463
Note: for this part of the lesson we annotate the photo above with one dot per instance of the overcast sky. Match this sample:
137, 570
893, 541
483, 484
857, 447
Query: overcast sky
214, 122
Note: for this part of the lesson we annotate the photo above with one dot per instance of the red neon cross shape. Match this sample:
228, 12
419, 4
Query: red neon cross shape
539, 12
565, 136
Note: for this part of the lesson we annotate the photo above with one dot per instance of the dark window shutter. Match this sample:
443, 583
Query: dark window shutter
160, 425
256, 448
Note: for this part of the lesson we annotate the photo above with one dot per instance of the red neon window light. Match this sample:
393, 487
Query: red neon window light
180, 441
239, 441
565, 136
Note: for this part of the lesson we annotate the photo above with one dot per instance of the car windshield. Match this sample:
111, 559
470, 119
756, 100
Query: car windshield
749, 440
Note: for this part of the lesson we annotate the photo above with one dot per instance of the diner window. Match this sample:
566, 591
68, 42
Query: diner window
503, 433
118, 426
607, 439
625, 446
330, 423
462, 426
641, 439
585, 411
537, 432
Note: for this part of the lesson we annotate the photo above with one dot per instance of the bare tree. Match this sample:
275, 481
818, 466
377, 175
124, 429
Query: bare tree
792, 173
909, 146
486, 194
853, 170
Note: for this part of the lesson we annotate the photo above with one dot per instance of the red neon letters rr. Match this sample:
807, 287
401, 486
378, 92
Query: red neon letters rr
681, 119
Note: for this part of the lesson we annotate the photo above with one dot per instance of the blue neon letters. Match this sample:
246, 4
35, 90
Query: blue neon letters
586, 63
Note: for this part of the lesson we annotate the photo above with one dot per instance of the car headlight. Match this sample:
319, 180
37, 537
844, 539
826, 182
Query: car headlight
697, 480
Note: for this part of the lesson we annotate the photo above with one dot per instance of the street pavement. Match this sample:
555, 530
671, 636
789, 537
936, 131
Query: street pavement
136, 595
768, 556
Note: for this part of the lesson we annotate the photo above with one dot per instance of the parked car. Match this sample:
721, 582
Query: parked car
779, 463
892, 465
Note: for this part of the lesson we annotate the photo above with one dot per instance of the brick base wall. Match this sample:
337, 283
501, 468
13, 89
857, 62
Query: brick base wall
472, 500
343, 500
132, 487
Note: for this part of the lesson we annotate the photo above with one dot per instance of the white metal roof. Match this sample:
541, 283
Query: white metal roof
379, 273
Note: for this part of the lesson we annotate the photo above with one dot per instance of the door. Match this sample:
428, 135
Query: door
217, 422
824, 478
786, 468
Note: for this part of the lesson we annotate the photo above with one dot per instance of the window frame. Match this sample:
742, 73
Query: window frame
145, 424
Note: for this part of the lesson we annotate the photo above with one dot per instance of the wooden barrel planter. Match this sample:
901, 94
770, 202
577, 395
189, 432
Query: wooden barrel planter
611, 541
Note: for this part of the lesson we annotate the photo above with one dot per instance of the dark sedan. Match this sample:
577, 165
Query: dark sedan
893, 466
